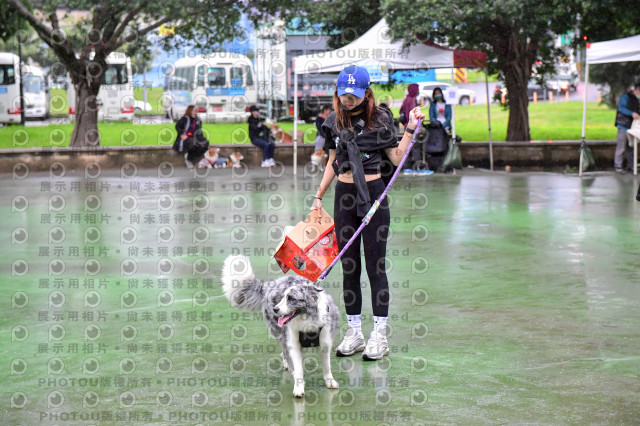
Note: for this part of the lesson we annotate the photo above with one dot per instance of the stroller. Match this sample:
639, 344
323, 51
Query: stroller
430, 149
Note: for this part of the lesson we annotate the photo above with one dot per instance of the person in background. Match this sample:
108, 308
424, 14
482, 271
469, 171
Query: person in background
322, 115
439, 110
260, 135
190, 139
440, 114
628, 110
409, 103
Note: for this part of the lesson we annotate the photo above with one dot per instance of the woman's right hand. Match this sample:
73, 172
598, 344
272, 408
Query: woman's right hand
414, 117
184, 137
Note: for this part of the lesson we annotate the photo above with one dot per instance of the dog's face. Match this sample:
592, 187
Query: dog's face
236, 156
319, 153
296, 300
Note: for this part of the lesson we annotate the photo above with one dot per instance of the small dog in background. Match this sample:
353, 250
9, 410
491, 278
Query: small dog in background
212, 159
235, 157
318, 159
285, 137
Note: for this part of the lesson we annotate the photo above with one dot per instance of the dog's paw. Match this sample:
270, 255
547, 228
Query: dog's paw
298, 391
331, 383
285, 365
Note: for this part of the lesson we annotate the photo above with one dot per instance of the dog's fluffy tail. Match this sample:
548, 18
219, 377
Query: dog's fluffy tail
240, 285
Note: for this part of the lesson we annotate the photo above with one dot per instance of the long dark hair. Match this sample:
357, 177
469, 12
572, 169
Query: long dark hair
433, 94
189, 110
370, 114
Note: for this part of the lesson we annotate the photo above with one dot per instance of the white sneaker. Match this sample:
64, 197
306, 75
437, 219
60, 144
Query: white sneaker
353, 342
271, 162
377, 346
265, 163
187, 162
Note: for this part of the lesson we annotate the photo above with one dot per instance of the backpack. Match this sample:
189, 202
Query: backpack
437, 139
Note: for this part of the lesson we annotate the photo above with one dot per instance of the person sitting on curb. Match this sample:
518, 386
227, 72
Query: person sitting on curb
260, 135
190, 139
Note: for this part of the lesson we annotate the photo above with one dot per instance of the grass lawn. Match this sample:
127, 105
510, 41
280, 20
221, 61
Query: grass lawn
59, 104
128, 134
557, 121
154, 97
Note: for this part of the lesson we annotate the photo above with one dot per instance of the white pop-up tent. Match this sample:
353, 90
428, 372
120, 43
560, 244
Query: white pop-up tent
375, 49
605, 52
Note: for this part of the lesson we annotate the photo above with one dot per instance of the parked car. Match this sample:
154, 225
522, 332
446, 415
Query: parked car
562, 83
141, 106
463, 96
532, 87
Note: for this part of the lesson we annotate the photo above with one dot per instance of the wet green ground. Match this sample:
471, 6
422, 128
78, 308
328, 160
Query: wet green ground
515, 300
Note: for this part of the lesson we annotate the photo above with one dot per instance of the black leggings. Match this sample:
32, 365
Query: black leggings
374, 237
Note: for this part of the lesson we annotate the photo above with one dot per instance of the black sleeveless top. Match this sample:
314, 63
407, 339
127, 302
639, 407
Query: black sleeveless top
371, 143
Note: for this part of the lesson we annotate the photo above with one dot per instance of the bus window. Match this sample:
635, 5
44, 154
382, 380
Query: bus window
33, 84
201, 76
236, 77
7, 75
249, 76
185, 78
217, 77
115, 74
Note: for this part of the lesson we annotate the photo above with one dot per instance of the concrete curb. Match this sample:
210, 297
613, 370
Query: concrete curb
535, 155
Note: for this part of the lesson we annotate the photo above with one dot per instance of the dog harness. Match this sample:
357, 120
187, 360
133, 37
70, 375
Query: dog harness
310, 339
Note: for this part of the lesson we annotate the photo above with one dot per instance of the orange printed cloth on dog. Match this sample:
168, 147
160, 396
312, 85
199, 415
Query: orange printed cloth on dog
310, 247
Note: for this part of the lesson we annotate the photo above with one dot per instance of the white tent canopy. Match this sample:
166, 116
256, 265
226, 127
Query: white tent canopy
604, 52
621, 50
375, 50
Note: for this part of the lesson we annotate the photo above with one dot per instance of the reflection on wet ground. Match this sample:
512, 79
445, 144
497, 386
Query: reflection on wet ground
514, 299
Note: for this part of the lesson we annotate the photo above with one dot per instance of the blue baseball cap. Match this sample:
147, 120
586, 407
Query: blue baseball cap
353, 80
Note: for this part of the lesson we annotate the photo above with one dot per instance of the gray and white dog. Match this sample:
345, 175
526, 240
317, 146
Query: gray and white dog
297, 312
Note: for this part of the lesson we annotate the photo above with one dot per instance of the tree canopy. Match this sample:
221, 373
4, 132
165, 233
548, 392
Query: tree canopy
514, 33
603, 20
109, 25
342, 21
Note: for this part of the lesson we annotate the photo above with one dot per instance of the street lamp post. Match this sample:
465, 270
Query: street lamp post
21, 83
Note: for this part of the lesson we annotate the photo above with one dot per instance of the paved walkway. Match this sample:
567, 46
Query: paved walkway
515, 299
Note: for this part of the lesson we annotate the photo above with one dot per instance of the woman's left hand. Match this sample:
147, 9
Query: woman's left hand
414, 117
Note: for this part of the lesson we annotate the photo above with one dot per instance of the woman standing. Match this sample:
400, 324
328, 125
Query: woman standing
409, 103
190, 139
358, 136
439, 113
439, 110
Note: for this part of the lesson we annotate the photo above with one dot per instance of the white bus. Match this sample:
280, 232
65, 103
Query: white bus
115, 98
36, 93
9, 88
220, 84
34, 89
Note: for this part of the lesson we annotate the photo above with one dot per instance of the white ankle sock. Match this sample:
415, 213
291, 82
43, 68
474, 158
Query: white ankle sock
379, 324
355, 323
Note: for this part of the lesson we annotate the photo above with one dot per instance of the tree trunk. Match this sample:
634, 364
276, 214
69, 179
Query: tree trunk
516, 79
85, 133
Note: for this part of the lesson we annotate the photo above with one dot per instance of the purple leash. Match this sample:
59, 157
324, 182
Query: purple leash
374, 207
